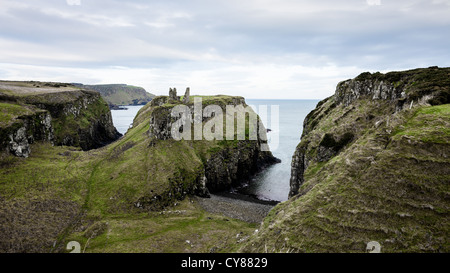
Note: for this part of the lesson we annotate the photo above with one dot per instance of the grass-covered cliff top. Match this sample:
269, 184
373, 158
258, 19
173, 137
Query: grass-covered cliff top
429, 84
373, 171
29, 88
10, 112
33, 92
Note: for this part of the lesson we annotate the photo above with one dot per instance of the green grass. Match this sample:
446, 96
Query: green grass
50, 171
313, 169
9, 112
389, 185
76, 191
167, 231
428, 124
104, 184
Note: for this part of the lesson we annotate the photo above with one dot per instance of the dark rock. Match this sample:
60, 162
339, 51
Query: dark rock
19, 145
25, 130
85, 118
298, 167
234, 164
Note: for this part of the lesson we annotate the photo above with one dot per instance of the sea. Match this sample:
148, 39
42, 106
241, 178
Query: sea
284, 124
123, 119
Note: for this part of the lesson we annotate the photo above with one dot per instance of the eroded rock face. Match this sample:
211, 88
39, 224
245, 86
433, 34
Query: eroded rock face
74, 118
395, 91
19, 145
161, 124
371, 166
230, 165
26, 130
233, 165
350, 90
429, 85
83, 119
298, 166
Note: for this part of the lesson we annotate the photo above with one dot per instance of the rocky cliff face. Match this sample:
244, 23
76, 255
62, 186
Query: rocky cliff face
235, 164
372, 165
82, 119
26, 131
22, 125
228, 162
67, 116
393, 91
418, 85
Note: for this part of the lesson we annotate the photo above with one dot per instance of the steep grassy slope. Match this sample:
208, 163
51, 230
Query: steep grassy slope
373, 165
133, 195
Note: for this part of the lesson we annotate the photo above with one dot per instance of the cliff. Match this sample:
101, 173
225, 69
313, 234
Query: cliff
136, 194
372, 165
368, 97
224, 163
120, 94
54, 112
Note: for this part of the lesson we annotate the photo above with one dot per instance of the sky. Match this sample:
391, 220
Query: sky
266, 49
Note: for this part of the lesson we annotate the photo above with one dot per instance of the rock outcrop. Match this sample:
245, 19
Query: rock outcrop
30, 128
227, 162
82, 119
372, 165
173, 94
63, 115
396, 91
187, 95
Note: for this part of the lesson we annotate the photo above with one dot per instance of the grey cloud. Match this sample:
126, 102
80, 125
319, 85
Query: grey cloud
201, 35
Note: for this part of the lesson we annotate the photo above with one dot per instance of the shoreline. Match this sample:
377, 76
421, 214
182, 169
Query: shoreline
236, 206
246, 197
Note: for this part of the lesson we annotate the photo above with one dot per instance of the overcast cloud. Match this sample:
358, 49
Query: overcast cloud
253, 48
